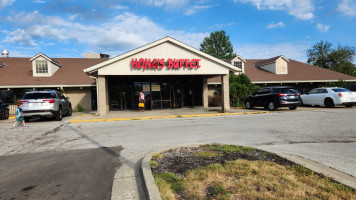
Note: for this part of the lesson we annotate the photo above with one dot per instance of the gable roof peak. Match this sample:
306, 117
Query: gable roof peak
46, 57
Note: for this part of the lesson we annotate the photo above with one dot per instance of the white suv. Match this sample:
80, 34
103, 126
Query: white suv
45, 104
329, 97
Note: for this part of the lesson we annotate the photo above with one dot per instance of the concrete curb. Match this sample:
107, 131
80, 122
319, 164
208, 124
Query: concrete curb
148, 180
163, 117
153, 192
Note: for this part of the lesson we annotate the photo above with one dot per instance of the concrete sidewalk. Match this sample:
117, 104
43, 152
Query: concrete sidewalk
161, 114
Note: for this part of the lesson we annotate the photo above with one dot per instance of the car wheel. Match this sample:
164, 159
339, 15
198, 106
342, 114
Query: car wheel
329, 103
27, 119
271, 106
248, 105
5, 114
293, 108
70, 111
349, 105
59, 115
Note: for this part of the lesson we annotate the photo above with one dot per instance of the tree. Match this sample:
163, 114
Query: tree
340, 59
319, 53
218, 44
240, 87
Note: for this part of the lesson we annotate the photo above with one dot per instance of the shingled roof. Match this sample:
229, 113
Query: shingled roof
297, 72
17, 72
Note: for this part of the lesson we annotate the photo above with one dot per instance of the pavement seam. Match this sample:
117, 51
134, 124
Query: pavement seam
164, 117
154, 194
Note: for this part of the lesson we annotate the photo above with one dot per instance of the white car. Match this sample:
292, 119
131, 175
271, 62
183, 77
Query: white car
329, 97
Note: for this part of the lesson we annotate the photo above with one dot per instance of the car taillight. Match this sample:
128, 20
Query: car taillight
49, 100
340, 95
299, 94
24, 101
282, 95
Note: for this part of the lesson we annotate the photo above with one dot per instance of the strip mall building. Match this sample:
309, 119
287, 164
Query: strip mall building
171, 74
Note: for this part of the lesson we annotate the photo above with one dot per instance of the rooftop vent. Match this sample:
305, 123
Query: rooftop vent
5, 53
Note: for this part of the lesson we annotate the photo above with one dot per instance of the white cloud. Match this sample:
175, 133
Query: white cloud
347, 8
122, 33
220, 26
120, 7
169, 4
302, 9
4, 3
275, 25
264, 51
322, 28
40, 1
194, 9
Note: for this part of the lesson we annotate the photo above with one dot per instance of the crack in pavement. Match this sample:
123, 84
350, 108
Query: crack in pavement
305, 142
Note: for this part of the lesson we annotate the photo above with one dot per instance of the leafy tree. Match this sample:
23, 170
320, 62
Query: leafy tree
318, 54
218, 44
240, 87
340, 59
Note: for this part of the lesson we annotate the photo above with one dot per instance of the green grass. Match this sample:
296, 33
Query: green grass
242, 179
157, 156
153, 163
208, 154
227, 148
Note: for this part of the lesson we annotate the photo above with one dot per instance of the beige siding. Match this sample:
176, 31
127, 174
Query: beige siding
165, 50
282, 66
79, 96
52, 68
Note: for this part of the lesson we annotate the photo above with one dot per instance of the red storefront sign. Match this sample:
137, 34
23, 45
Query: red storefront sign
144, 63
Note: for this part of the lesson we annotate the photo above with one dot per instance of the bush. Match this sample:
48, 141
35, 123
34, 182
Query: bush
240, 87
80, 108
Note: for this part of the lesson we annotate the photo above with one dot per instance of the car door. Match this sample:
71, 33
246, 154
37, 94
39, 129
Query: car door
320, 96
309, 98
258, 97
265, 97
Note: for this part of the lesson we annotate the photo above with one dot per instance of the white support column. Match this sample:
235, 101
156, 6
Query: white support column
205, 92
225, 92
102, 96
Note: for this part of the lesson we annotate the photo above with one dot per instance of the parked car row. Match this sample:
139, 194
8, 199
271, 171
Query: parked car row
272, 98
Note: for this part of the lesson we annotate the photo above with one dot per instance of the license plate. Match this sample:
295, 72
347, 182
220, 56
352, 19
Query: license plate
292, 97
35, 104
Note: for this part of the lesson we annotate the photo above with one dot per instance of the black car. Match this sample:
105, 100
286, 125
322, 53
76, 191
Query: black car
4, 110
351, 88
272, 98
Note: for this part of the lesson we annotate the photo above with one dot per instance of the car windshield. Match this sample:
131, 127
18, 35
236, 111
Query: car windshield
340, 90
39, 95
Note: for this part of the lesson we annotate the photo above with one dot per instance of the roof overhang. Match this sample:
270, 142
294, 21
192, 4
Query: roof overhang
95, 68
45, 86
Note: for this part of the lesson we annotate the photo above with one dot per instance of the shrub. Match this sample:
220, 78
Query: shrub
240, 87
80, 108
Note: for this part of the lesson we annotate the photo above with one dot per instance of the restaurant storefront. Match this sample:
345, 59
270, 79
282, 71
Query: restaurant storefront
170, 73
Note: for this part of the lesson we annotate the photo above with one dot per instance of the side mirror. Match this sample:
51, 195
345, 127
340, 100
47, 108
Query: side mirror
67, 98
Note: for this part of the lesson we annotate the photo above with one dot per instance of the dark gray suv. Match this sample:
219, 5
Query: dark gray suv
45, 104
272, 98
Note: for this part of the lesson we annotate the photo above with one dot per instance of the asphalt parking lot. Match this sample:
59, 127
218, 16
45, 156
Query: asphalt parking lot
324, 135
75, 174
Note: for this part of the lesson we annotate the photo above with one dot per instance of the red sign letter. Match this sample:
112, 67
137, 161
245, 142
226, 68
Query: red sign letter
134, 63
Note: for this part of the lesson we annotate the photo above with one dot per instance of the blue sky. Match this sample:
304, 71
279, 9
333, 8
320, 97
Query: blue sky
257, 28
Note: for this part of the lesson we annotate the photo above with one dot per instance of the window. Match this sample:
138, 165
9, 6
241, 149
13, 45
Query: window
313, 91
322, 91
340, 90
238, 65
41, 67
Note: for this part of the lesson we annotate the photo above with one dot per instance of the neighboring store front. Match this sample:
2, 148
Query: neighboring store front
170, 73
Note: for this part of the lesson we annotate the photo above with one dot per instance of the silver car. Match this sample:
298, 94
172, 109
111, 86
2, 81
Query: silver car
45, 104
